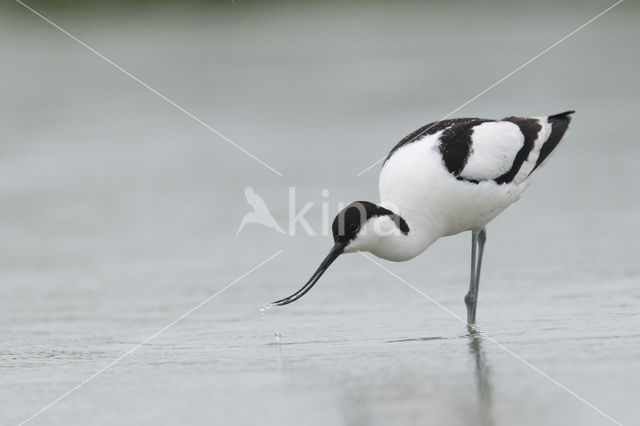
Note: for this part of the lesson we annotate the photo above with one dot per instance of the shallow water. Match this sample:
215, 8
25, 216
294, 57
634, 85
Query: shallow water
119, 215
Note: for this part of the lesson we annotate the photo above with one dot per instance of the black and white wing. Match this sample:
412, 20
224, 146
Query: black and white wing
541, 136
504, 151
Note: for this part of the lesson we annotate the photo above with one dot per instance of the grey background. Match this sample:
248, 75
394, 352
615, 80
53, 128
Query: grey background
119, 214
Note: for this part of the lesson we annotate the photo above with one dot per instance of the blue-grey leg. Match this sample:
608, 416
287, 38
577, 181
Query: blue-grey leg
471, 299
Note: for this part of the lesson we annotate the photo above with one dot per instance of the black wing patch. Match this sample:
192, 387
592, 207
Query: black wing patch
559, 124
457, 128
455, 144
530, 127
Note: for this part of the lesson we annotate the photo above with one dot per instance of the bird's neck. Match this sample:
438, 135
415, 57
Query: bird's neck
400, 246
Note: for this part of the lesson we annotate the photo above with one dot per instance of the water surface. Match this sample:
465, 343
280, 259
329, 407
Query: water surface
119, 215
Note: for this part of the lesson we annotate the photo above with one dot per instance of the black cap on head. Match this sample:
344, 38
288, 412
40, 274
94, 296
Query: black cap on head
348, 222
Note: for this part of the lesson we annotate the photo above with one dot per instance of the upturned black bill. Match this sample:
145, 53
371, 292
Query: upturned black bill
333, 255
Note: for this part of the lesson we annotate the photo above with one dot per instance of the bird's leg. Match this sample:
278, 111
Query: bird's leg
482, 238
471, 299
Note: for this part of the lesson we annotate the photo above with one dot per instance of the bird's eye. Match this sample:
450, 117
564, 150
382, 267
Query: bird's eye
354, 227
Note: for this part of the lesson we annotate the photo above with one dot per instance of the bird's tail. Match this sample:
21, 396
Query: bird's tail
559, 125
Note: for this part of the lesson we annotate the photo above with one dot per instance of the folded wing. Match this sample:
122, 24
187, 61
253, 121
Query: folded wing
505, 151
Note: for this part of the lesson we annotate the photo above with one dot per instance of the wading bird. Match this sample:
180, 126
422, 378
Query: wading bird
445, 178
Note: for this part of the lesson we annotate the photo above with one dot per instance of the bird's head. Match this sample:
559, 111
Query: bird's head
360, 226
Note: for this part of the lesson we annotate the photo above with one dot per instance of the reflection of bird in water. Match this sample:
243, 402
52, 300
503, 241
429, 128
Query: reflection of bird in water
260, 213
485, 398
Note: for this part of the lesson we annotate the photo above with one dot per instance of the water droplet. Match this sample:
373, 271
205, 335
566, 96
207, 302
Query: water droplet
277, 335
265, 308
